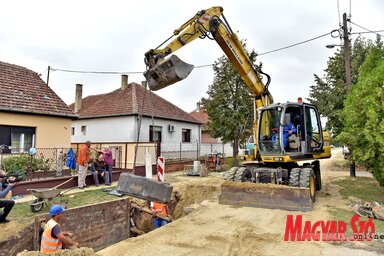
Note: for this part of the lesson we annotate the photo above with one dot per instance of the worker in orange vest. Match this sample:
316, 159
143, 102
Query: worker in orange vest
53, 237
162, 210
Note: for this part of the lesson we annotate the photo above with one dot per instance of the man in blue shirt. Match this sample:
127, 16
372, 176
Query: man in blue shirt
288, 129
4, 203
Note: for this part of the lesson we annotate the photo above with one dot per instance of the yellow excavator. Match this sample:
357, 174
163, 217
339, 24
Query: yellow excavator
283, 133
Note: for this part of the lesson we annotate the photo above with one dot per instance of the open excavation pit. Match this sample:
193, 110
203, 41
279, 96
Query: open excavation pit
98, 226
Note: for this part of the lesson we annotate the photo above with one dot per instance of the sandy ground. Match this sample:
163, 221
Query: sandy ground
214, 229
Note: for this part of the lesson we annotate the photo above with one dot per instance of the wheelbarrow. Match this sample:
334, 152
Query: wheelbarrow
44, 195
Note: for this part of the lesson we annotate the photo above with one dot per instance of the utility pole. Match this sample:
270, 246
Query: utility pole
352, 166
346, 52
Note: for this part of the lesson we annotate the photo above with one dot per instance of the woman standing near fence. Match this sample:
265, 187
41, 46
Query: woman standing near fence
107, 153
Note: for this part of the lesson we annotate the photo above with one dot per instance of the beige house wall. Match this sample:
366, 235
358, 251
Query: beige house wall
51, 132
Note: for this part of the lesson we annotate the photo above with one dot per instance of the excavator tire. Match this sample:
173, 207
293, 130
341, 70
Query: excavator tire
239, 174
230, 175
316, 170
247, 176
307, 180
294, 177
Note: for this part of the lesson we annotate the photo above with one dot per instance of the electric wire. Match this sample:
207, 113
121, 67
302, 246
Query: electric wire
371, 31
98, 72
338, 12
292, 45
196, 67
367, 32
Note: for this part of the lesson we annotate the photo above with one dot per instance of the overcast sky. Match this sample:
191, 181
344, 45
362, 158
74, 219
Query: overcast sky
114, 35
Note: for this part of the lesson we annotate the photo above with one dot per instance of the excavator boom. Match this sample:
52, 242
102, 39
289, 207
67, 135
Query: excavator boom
292, 187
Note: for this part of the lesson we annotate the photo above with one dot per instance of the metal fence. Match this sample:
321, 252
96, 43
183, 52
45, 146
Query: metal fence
191, 151
48, 162
45, 160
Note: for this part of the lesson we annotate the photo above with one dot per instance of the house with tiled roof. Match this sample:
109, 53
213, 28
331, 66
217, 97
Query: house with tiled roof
114, 117
200, 113
209, 144
31, 114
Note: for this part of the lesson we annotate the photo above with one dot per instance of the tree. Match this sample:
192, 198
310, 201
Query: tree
328, 93
229, 104
363, 115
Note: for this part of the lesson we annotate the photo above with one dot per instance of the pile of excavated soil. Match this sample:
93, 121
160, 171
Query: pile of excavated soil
11, 228
83, 251
215, 229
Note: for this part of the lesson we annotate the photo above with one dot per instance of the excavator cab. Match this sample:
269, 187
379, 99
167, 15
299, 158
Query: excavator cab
290, 129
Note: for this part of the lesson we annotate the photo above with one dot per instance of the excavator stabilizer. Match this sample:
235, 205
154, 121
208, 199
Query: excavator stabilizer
167, 72
144, 188
266, 196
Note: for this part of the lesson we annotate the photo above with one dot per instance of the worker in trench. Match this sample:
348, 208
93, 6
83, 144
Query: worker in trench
53, 237
159, 209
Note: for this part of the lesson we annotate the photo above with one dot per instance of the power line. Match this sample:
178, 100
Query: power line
302, 42
200, 66
338, 12
365, 28
98, 72
366, 32
204, 66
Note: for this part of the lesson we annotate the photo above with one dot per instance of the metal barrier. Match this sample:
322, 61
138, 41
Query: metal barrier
194, 150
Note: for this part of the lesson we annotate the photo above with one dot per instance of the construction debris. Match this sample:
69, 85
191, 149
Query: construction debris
369, 209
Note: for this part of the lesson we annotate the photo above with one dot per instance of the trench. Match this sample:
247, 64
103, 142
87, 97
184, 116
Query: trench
128, 221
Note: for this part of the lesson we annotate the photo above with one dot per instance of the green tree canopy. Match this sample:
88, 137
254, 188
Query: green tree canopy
363, 114
328, 93
229, 104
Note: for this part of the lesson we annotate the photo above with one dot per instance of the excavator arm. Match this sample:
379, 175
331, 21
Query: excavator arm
163, 70
206, 23
295, 185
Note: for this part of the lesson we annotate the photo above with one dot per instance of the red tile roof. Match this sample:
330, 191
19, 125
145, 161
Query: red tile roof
129, 101
22, 90
201, 115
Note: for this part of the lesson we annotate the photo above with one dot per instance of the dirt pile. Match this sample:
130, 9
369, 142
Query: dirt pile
83, 251
215, 229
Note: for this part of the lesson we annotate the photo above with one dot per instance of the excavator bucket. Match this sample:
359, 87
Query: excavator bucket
265, 196
167, 72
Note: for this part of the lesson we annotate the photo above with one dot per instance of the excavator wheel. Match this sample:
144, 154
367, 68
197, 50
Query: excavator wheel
303, 178
230, 175
247, 176
294, 177
239, 174
316, 170
307, 180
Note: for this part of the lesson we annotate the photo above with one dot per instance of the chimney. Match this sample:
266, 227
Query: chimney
124, 82
198, 106
78, 97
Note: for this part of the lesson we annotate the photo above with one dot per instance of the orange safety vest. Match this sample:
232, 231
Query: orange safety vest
48, 243
161, 209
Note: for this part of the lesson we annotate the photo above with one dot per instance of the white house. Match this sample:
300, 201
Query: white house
115, 117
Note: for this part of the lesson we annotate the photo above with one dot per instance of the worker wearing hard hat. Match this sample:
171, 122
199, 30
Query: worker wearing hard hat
53, 237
